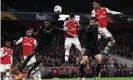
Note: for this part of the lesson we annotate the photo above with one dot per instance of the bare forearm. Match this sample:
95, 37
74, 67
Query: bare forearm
70, 34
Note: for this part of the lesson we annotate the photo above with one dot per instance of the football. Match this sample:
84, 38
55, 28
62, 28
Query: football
57, 9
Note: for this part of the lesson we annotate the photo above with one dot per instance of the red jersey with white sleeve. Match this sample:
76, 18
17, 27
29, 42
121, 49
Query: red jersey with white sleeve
101, 15
7, 59
27, 45
72, 28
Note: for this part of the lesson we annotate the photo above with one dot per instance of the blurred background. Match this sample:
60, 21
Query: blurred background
18, 15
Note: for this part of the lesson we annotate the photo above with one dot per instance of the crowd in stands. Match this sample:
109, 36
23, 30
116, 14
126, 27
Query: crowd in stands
43, 6
55, 55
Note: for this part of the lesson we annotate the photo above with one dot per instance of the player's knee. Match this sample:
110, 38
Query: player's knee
98, 58
111, 39
79, 47
111, 43
84, 60
67, 47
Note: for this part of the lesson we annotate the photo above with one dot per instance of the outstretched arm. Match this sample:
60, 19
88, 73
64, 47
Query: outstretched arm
112, 12
19, 41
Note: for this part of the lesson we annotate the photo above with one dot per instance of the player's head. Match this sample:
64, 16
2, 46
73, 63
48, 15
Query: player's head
28, 33
96, 4
71, 17
7, 43
93, 20
47, 23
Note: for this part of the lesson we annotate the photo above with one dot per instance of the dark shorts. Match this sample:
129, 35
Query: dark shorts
92, 51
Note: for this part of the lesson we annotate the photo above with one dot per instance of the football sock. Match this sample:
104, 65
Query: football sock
81, 70
66, 55
98, 68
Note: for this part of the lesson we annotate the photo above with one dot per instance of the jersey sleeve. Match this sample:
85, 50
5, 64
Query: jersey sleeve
35, 42
2, 54
112, 12
1, 50
93, 14
19, 41
64, 25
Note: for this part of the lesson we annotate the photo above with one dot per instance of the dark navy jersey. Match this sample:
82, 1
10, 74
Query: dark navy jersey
92, 36
45, 35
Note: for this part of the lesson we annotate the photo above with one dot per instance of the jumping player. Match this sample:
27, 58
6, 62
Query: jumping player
71, 36
28, 43
92, 49
45, 35
101, 14
6, 60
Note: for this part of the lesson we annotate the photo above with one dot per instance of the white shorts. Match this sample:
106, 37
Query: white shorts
75, 41
32, 60
4, 67
103, 32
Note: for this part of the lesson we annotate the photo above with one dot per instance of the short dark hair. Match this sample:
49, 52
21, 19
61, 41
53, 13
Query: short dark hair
97, 1
71, 15
67, 19
93, 18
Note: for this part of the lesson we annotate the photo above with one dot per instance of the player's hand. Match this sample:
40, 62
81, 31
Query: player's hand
121, 14
31, 29
75, 36
36, 33
6, 53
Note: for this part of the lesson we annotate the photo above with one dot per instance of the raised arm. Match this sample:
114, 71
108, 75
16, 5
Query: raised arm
112, 12
19, 41
93, 14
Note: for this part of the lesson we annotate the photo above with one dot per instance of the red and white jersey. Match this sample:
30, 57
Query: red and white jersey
7, 59
101, 15
27, 45
72, 27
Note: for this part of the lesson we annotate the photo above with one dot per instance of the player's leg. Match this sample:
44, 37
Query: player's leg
99, 37
34, 51
39, 59
3, 71
83, 63
67, 48
110, 44
82, 67
7, 71
98, 58
27, 60
36, 70
106, 34
78, 46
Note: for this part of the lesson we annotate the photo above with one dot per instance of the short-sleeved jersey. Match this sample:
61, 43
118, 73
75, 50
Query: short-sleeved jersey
101, 15
6, 59
72, 27
27, 45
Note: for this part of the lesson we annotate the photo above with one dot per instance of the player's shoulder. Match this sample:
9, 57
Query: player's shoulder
103, 8
67, 21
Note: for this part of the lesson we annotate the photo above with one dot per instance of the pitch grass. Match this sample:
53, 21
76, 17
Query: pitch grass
118, 78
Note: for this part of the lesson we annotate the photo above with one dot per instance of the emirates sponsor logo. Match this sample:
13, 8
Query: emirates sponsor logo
27, 44
101, 17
